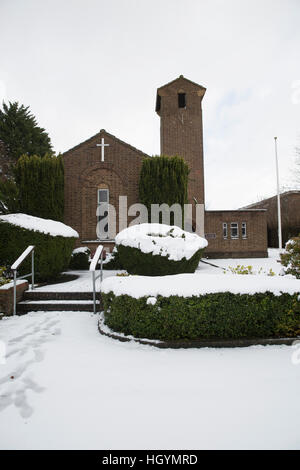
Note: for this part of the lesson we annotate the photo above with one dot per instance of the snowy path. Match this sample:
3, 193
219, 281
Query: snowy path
84, 282
73, 388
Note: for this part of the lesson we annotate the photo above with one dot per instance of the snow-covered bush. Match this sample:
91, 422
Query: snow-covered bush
53, 241
80, 258
192, 306
290, 259
158, 249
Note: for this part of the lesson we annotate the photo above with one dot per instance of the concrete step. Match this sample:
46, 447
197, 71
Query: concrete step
41, 295
56, 305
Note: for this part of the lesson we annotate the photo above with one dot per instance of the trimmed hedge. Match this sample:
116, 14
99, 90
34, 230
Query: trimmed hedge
211, 316
52, 254
80, 260
147, 264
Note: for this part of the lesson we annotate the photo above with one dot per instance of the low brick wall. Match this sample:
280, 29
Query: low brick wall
7, 296
235, 254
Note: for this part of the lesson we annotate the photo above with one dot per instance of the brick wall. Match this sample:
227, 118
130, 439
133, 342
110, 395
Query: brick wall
255, 243
7, 296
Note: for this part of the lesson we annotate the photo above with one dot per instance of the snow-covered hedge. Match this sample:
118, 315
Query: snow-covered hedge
158, 249
191, 306
37, 224
54, 242
80, 258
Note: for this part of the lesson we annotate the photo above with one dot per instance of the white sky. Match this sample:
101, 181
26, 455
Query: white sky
83, 65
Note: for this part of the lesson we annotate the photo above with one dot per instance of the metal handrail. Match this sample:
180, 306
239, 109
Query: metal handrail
14, 267
93, 268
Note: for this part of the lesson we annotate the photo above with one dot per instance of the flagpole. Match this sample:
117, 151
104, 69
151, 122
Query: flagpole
278, 198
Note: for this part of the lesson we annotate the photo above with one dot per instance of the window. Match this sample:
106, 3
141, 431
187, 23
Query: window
244, 230
158, 103
102, 195
103, 200
225, 232
234, 228
181, 100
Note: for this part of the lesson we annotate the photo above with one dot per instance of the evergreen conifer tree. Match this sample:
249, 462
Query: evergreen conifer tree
163, 180
20, 132
40, 183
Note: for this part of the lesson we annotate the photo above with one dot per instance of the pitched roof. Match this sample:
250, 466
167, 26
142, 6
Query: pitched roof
104, 132
181, 78
284, 194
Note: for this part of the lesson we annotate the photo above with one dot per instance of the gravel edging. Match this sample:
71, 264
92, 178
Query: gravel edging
198, 343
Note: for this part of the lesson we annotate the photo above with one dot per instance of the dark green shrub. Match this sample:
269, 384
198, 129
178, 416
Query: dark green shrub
147, 264
163, 179
221, 315
40, 186
114, 261
291, 257
9, 196
3, 279
80, 258
52, 253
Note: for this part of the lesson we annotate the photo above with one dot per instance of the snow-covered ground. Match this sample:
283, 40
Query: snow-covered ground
73, 388
272, 262
63, 385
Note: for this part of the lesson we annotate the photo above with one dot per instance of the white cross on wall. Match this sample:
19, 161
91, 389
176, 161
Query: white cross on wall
102, 145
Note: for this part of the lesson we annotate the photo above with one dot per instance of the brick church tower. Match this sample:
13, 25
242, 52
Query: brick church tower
178, 104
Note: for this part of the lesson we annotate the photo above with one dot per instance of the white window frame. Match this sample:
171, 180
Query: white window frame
98, 197
244, 229
225, 230
236, 237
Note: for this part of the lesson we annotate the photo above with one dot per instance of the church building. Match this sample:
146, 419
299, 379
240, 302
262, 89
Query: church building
103, 168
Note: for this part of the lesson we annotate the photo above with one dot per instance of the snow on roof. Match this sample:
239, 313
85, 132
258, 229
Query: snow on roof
188, 285
161, 239
48, 226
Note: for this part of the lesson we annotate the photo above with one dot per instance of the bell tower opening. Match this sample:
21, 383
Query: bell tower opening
181, 100
158, 103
